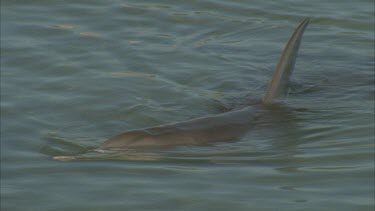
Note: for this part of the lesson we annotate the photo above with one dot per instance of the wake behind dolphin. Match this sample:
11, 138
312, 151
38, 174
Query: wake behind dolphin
227, 126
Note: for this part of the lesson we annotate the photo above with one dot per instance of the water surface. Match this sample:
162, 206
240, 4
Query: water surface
74, 73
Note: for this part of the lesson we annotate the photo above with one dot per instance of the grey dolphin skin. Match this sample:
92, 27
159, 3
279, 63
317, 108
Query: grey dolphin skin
223, 127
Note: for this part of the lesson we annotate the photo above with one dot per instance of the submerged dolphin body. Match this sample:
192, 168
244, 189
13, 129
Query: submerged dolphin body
223, 127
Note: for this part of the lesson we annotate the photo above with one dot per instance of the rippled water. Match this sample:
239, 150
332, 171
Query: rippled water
74, 73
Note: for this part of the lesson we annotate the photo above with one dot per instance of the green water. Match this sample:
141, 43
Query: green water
74, 73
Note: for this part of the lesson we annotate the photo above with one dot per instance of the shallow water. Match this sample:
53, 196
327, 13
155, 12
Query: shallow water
74, 73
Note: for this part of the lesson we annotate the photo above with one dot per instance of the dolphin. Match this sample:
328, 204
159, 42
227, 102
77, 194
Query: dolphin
228, 126
216, 128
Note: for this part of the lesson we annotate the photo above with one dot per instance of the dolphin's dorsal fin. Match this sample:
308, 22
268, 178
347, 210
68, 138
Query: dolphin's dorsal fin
278, 87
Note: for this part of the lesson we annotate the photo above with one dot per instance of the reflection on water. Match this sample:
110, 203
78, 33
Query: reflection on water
74, 73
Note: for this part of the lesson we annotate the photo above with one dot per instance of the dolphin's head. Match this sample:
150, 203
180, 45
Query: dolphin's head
128, 139
163, 136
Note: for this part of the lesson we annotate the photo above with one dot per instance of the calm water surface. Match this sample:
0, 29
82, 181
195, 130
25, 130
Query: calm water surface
74, 73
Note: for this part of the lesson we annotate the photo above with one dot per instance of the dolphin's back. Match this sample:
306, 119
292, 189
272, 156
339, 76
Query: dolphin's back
278, 87
198, 131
